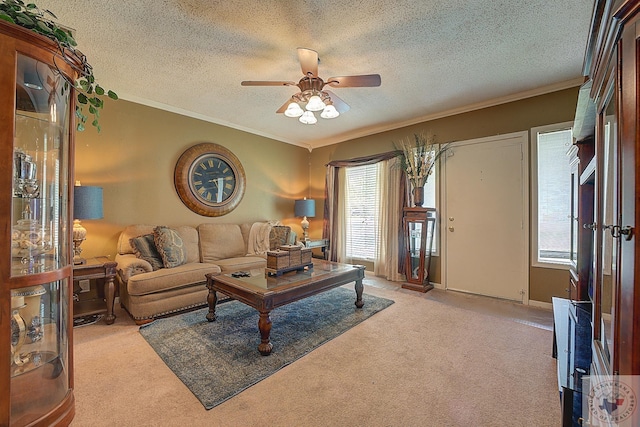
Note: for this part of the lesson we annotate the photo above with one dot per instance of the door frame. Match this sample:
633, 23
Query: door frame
524, 137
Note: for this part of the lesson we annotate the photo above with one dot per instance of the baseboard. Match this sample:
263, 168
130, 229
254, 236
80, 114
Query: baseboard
541, 304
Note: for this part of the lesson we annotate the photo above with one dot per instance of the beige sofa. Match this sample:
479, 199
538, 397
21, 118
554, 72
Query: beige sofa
148, 293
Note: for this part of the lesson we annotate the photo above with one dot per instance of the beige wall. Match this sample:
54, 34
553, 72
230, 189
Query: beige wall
516, 116
134, 156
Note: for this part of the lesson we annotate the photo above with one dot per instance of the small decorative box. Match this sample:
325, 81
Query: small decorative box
294, 254
277, 259
305, 255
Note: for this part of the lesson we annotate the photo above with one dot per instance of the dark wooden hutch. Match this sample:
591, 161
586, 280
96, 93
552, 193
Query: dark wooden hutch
606, 207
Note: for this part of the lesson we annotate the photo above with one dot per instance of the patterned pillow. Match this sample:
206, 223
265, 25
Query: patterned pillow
145, 248
170, 247
278, 236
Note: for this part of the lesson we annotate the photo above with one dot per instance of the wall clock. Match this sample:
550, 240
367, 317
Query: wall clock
209, 179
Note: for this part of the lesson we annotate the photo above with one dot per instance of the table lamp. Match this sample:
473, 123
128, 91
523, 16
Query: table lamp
305, 208
87, 204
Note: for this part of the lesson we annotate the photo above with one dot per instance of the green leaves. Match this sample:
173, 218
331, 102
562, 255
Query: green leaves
43, 21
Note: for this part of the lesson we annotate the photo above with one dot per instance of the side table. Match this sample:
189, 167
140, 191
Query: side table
104, 269
319, 243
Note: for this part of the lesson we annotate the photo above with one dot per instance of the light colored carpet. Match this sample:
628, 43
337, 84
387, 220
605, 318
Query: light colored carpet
419, 362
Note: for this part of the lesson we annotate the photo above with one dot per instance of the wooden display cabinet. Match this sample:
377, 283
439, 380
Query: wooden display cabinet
36, 112
419, 228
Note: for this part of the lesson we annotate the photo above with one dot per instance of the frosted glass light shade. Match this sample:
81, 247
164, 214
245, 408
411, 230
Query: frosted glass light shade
329, 112
308, 118
293, 110
315, 104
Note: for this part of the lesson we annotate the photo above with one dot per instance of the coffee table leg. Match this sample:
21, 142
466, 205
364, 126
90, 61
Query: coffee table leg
359, 289
212, 300
264, 324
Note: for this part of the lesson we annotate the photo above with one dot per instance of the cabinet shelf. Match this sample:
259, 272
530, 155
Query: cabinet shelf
88, 307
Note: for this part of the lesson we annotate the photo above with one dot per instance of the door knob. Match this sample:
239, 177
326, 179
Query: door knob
451, 218
450, 228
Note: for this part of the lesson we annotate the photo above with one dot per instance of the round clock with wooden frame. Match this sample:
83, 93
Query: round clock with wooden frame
209, 179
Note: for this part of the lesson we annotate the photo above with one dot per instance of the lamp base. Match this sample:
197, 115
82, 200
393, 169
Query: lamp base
305, 228
79, 236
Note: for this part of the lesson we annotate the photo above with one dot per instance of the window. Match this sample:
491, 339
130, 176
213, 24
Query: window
551, 199
362, 207
430, 197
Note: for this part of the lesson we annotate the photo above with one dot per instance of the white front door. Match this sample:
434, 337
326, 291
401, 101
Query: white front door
485, 216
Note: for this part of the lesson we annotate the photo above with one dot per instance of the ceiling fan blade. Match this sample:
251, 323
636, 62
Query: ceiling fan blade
266, 83
308, 61
365, 80
284, 106
340, 105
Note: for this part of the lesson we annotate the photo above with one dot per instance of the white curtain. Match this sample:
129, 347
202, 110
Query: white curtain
340, 224
386, 260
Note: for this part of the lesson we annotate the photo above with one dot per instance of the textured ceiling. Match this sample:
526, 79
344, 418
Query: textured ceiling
435, 57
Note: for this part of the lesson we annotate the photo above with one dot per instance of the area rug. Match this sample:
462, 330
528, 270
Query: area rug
217, 360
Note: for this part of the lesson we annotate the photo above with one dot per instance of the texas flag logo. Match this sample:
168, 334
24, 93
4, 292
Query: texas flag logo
611, 406
611, 401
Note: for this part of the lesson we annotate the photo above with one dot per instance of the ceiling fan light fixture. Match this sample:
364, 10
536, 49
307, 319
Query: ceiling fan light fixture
315, 104
293, 110
329, 112
308, 118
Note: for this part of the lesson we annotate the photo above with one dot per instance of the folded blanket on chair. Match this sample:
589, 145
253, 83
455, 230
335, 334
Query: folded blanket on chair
259, 237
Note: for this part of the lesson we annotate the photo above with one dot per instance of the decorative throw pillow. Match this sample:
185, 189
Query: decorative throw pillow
145, 248
170, 247
278, 236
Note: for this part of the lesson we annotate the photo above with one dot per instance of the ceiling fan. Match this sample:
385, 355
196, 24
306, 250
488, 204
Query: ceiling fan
312, 95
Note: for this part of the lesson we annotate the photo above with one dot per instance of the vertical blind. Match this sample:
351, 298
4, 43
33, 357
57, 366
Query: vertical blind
554, 196
362, 206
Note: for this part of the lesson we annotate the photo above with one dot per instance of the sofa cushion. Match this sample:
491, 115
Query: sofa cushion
220, 241
145, 248
189, 237
131, 231
169, 278
170, 246
248, 262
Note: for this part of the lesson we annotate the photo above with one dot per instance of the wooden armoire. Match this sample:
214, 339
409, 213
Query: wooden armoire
606, 275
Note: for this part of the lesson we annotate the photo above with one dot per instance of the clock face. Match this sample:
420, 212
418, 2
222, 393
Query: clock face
209, 179
212, 179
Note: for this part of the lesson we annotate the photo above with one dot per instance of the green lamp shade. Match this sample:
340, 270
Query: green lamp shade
305, 207
87, 202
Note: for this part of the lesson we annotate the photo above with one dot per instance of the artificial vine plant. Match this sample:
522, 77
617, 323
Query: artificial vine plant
42, 21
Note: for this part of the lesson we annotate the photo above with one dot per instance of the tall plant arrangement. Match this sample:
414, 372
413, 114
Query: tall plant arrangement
419, 154
89, 92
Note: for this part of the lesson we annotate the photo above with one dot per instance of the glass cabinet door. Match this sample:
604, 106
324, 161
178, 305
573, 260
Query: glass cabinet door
39, 242
609, 221
415, 233
40, 170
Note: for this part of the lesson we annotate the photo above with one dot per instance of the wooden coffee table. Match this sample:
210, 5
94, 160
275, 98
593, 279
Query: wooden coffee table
264, 293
